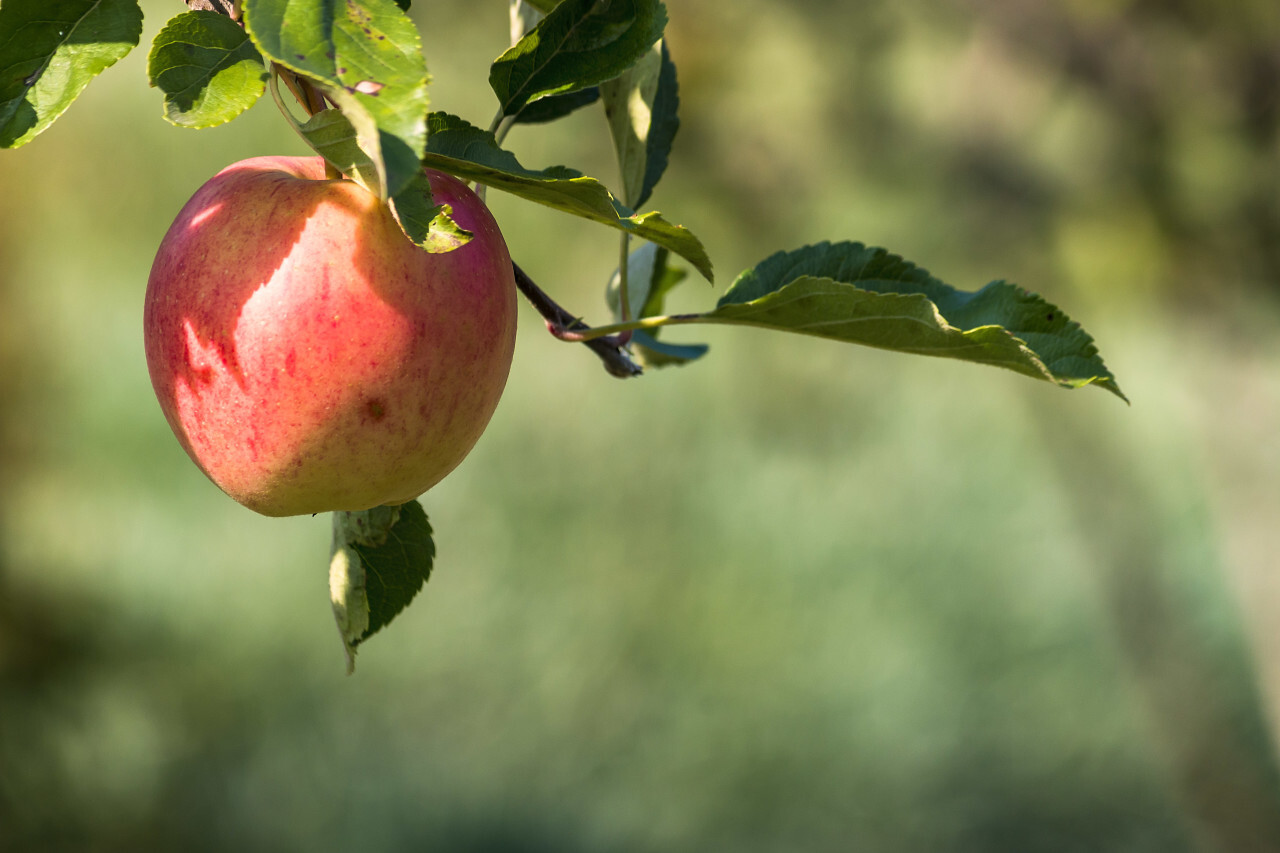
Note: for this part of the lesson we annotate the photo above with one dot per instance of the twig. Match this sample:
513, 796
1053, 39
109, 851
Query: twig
609, 349
230, 8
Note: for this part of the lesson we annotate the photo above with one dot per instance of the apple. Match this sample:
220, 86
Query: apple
308, 356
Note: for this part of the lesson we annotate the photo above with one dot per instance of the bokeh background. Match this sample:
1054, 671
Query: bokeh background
797, 596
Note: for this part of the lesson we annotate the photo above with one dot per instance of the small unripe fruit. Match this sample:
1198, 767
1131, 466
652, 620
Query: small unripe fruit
308, 356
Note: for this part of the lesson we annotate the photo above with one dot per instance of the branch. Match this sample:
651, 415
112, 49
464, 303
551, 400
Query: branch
230, 8
610, 350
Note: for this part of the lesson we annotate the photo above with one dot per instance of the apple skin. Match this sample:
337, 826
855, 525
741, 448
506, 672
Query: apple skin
308, 356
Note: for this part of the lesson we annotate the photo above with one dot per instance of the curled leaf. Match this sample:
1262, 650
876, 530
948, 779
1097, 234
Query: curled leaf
380, 559
853, 293
207, 68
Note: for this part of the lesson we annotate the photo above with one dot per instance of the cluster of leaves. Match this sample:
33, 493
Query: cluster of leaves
357, 69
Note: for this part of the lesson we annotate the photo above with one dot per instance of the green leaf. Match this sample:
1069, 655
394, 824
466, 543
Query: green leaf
207, 68
649, 280
641, 105
334, 137
543, 6
557, 106
656, 353
663, 124
380, 559
461, 149
853, 293
426, 223
50, 50
664, 279
580, 43
366, 56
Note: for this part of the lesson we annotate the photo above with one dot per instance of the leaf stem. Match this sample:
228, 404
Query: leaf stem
624, 299
587, 334
273, 85
499, 127
497, 121
504, 127
559, 322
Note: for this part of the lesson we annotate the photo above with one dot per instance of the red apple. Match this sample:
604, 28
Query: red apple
308, 356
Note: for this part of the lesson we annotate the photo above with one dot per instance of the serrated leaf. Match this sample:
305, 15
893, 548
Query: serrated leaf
461, 149
207, 68
857, 294
366, 56
641, 105
580, 43
426, 223
50, 50
557, 106
380, 559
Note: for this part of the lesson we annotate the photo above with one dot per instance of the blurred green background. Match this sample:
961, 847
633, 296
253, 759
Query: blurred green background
798, 596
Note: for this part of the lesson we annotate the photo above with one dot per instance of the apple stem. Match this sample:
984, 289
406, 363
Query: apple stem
560, 322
